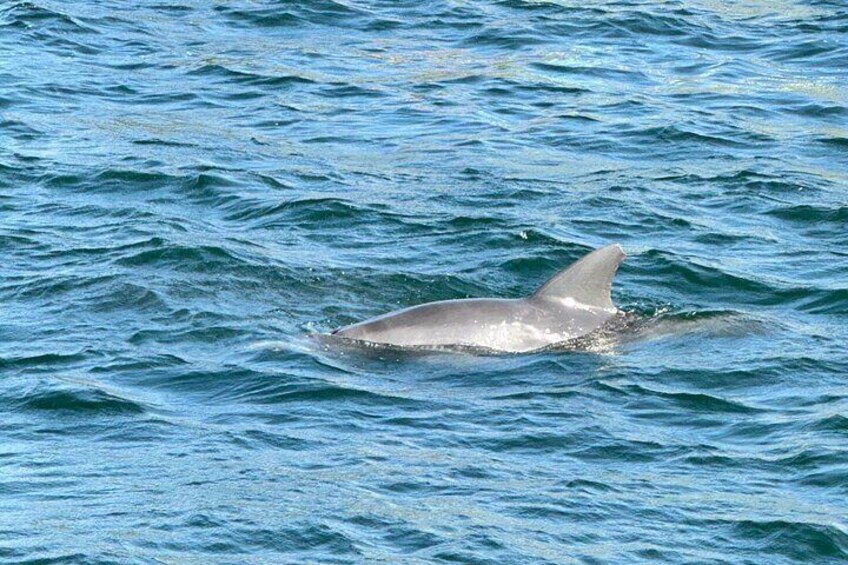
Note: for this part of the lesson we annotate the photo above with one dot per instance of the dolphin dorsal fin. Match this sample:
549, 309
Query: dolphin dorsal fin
587, 280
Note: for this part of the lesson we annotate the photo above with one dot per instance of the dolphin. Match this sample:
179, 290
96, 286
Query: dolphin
573, 303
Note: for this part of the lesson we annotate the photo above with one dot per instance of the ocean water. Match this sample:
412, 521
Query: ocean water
188, 189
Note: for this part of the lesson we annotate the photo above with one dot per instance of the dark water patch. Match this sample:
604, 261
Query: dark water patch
727, 379
720, 42
540, 394
19, 128
691, 403
812, 214
121, 180
405, 538
664, 25
820, 110
812, 48
260, 440
88, 401
831, 301
199, 335
416, 423
810, 459
133, 297
157, 142
832, 476
132, 364
180, 257
678, 135
48, 21
545, 442
189, 379
545, 87
121, 90
720, 461
170, 98
307, 211
330, 394
742, 289
209, 188
85, 253
52, 288
343, 90
260, 18
838, 142
55, 557
837, 424
754, 432
625, 75
792, 540
219, 536
248, 78
472, 224
704, 276
64, 45
322, 12
62, 180
175, 9
629, 451
45, 359
140, 431
19, 243
503, 38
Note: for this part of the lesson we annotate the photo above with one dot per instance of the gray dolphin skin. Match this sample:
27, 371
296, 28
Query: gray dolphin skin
572, 304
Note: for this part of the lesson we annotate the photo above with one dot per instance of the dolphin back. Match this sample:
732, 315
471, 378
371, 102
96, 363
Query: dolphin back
587, 281
572, 304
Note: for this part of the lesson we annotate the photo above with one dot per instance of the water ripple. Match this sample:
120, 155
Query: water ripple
189, 192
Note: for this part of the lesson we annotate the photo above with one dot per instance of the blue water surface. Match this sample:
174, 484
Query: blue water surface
188, 189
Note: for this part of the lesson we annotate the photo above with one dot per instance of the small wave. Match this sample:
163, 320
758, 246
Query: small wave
628, 75
344, 90
260, 439
665, 25
44, 359
158, 142
259, 18
328, 212
715, 324
249, 78
840, 142
51, 287
207, 334
797, 540
321, 12
120, 365
88, 400
812, 214
126, 296
677, 135
259, 389
835, 477
31, 15
501, 37
693, 402
632, 451
836, 423
204, 258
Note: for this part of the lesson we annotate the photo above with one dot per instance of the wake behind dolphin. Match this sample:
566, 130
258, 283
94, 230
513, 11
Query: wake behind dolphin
572, 304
